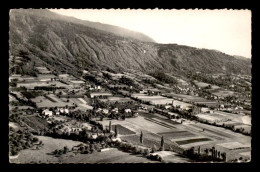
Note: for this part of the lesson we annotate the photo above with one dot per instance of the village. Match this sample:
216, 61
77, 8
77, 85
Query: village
164, 118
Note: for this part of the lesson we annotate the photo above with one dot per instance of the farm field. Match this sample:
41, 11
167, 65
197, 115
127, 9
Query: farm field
95, 94
114, 99
193, 99
222, 92
137, 125
188, 97
176, 134
160, 100
45, 77
31, 85
203, 84
35, 123
188, 141
50, 101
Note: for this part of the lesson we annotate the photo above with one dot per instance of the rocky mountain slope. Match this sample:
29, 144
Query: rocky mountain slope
68, 44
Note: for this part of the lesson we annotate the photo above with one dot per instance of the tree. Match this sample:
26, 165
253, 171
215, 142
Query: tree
162, 143
65, 149
212, 152
109, 129
55, 151
223, 155
199, 150
141, 137
206, 151
116, 131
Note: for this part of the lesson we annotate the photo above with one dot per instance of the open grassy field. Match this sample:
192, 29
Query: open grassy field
44, 155
172, 157
110, 156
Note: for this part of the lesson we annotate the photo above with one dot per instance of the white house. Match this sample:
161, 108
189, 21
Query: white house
115, 110
61, 110
47, 112
204, 110
105, 111
66, 111
128, 111
167, 106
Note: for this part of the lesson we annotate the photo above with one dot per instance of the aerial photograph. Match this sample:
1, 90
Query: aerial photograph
129, 86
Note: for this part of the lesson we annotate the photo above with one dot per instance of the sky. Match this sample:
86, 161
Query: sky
228, 31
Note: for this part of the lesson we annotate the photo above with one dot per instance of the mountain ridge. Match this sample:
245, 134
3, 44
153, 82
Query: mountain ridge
67, 46
120, 31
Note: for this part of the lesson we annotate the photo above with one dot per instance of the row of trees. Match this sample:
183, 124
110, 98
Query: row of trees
211, 154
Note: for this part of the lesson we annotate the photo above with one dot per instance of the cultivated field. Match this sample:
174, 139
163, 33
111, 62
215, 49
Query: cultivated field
222, 93
35, 123
118, 99
193, 99
160, 100
50, 101
95, 94
203, 84
176, 134
188, 141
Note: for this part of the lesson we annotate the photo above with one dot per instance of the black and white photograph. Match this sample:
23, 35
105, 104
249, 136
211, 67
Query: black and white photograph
101, 86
